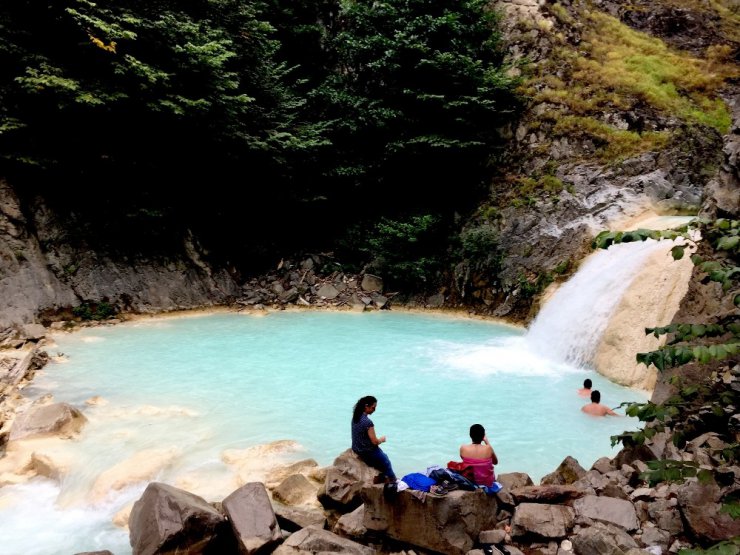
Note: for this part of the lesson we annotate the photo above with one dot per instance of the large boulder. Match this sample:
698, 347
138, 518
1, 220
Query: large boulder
448, 524
58, 419
603, 539
315, 540
700, 506
252, 519
167, 520
344, 481
296, 489
568, 472
542, 521
608, 509
293, 519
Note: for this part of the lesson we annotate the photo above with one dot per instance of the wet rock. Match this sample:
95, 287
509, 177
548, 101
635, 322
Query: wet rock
166, 519
450, 524
58, 419
252, 519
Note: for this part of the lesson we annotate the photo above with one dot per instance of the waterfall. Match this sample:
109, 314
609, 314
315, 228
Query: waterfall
570, 325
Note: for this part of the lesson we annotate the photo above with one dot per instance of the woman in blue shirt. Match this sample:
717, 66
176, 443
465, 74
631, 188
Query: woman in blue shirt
365, 443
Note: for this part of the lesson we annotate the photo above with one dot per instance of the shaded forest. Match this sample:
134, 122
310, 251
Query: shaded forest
259, 126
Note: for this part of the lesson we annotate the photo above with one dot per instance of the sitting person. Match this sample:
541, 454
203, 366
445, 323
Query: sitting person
480, 456
365, 443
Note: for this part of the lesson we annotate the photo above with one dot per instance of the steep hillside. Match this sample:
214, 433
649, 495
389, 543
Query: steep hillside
631, 108
634, 109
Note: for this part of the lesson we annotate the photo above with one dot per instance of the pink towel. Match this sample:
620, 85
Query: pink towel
482, 470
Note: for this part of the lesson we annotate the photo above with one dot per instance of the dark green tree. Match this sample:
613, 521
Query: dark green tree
131, 104
417, 97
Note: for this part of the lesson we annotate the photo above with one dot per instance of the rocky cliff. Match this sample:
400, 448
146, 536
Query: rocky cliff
625, 116
611, 132
43, 276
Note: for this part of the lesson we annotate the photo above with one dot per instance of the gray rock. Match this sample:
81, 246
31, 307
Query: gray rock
450, 524
166, 519
295, 518
252, 519
371, 282
608, 509
602, 539
700, 507
540, 520
344, 480
58, 419
314, 540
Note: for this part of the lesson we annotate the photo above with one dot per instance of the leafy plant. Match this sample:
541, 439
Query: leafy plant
406, 251
729, 547
418, 93
673, 471
705, 405
94, 311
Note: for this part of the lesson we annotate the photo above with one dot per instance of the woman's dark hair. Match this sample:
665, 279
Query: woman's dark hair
477, 433
360, 406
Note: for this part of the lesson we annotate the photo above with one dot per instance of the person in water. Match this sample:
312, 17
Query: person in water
585, 391
365, 442
595, 408
480, 456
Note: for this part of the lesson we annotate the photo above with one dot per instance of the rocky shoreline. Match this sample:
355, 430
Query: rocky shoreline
610, 508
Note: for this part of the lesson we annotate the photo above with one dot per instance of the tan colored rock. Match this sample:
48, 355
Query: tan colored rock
293, 519
296, 490
315, 540
277, 475
544, 521
120, 519
59, 419
651, 300
141, 467
447, 524
608, 509
352, 524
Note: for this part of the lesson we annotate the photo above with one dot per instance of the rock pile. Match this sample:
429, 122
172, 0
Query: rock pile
308, 283
609, 509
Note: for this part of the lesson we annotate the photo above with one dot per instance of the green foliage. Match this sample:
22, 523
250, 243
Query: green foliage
670, 356
406, 252
195, 72
94, 311
704, 406
415, 102
307, 106
528, 289
731, 506
614, 68
673, 471
729, 547
480, 249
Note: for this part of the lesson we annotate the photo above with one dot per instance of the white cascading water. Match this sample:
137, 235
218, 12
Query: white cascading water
570, 325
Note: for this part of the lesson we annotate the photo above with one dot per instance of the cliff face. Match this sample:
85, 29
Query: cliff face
601, 142
41, 275
605, 138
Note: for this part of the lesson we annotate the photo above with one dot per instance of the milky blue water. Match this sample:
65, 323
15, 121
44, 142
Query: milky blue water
195, 387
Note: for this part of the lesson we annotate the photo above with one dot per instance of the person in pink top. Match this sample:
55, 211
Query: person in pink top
480, 456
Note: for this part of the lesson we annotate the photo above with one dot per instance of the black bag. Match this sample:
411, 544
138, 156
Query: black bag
390, 490
442, 474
